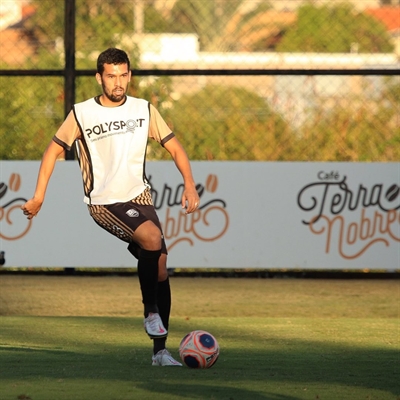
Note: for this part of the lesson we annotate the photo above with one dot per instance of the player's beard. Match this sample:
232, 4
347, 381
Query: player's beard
115, 98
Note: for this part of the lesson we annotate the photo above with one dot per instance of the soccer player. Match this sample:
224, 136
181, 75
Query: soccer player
110, 134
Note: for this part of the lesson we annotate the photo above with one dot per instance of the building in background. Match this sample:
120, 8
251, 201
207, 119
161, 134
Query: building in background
15, 44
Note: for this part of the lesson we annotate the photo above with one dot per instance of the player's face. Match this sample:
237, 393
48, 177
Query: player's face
114, 81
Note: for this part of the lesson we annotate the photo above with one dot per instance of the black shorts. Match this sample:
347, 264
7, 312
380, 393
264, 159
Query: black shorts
122, 220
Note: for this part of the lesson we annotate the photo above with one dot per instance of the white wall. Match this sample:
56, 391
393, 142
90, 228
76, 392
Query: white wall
253, 215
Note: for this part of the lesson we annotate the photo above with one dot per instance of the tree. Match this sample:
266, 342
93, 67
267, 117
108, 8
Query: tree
34, 110
219, 24
229, 123
333, 29
218, 122
354, 129
35, 105
99, 24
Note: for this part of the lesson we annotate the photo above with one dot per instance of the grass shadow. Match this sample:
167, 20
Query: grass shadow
108, 355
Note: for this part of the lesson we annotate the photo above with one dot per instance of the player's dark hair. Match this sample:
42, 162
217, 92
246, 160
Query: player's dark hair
112, 56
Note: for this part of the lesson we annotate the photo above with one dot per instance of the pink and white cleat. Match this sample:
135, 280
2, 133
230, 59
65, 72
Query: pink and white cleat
164, 359
154, 326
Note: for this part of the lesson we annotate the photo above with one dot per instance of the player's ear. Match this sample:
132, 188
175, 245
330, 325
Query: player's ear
98, 78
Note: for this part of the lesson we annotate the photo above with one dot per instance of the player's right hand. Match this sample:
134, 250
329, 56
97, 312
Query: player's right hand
31, 208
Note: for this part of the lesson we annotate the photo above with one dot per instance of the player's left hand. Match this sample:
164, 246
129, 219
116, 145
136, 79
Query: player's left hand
190, 200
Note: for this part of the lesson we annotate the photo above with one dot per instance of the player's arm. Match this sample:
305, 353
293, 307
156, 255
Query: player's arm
32, 206
63, 140
190, 197
160, 131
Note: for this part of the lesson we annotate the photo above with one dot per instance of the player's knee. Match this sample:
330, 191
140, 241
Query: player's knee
153, 244
154, 239
148, 236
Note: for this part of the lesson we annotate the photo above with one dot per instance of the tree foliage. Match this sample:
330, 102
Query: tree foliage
333, 29
354, 129
32, 115
207, 18
99, 24
229, 123
219, 122
221, 25
35, 105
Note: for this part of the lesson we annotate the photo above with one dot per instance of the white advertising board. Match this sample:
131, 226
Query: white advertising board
269, 215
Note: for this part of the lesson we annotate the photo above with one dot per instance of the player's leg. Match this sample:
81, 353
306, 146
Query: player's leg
148, 237
162, 357
130, 222
117, 220
163, 300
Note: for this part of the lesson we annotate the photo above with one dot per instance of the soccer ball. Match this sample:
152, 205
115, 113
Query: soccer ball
199, 349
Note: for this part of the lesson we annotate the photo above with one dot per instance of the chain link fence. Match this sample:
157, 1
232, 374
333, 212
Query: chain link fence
284, 80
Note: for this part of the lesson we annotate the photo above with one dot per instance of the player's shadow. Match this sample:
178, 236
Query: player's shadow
202, 391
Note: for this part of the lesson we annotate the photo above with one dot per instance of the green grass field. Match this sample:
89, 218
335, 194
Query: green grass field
81, 338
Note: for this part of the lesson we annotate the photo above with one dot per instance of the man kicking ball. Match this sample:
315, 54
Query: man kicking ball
117, 193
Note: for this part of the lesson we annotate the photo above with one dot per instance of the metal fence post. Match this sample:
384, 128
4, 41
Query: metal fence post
69, 71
